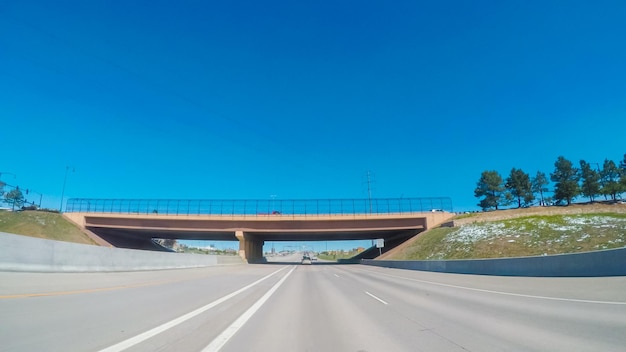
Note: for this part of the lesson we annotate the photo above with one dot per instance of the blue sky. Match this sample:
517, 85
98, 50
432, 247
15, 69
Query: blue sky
248, 99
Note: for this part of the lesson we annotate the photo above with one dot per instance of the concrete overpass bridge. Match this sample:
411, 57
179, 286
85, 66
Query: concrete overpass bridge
134, 223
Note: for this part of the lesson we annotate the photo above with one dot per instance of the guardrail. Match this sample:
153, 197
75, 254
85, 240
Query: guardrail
260, 207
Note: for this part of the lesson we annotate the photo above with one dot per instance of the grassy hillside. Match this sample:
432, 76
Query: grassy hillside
524, 232
41, 224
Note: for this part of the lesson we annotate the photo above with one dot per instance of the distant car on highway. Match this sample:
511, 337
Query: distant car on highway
306, 260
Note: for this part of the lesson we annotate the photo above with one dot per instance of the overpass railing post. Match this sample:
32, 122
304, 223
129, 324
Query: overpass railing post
353, 207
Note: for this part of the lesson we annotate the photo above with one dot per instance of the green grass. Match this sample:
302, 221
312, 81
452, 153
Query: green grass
525, 236
336, 256
52, 226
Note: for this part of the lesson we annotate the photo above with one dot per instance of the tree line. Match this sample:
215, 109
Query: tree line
569, 182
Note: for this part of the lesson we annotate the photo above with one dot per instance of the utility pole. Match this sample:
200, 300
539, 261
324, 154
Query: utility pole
369, 190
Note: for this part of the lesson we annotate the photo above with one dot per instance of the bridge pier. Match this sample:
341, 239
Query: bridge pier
250, 247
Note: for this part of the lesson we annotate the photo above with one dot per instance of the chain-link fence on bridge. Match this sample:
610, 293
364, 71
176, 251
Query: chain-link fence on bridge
260, 207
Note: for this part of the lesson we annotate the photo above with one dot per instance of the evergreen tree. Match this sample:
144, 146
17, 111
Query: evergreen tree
539, 183
622, 166
565, 177
611, 175
590, 181
491, 187
519, 185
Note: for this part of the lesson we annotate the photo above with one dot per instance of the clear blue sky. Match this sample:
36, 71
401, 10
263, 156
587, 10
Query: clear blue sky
248, 99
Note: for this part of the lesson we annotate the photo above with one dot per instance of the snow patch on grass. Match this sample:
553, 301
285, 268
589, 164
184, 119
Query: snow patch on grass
477, 232
473, 233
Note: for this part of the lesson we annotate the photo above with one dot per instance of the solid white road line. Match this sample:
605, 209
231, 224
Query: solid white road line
336, 275
230, 331
376, 298
159, 329
497, 292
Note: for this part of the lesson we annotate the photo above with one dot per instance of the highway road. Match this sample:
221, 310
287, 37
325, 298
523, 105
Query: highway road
285, 306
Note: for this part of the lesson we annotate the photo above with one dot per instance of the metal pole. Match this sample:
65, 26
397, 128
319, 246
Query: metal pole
67, 168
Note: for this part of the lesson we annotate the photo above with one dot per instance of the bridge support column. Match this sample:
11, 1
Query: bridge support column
250, 248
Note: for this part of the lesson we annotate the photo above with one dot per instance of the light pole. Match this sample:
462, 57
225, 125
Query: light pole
67, 168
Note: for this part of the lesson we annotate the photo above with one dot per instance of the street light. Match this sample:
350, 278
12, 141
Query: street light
67, 168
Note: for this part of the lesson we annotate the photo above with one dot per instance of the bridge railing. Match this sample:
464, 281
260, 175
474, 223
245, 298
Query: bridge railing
259, 207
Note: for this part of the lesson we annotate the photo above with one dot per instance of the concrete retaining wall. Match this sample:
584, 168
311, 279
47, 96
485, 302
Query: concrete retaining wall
22, 253
599, 263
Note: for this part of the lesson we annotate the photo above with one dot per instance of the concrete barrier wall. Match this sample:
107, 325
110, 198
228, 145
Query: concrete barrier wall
22, 253
599, 263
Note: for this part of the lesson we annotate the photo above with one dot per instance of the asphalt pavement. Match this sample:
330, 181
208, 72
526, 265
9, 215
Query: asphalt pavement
285, 306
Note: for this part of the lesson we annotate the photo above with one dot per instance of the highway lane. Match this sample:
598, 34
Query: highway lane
309, 308
359, 308
481, 313
89, 312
